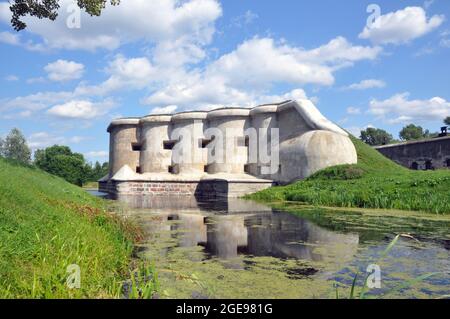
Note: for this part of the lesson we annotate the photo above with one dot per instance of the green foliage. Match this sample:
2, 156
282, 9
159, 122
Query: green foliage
97, 171
341, 172
413, 132
48, 9
47, 224
375, 136
383, 184
62, 162
447, 120
15, 147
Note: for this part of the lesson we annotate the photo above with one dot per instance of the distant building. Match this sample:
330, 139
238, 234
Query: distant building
426, 154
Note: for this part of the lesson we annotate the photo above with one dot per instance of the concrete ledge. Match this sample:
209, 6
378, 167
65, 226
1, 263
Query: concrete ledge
228, 112
262, 109
429, 140
156, 119
123, 121
189, 116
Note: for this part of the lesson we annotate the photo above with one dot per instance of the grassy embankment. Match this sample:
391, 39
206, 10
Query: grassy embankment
375, 182
47, 224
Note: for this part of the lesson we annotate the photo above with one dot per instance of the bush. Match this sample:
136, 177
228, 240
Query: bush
341, 172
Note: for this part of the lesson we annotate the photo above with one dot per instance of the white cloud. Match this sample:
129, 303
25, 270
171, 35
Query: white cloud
401, 26
246, 74
12, 78
132, 20
164, 110
63, 70
353, 110
399, 109
9, 38
125, 74
15, 39
81, 109
39, 79
366, 84
42, 140
247, 18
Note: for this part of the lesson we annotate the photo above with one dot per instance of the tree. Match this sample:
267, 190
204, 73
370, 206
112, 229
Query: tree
15, 147
48, 9
375, 136
413, 132
447, 120
62, 162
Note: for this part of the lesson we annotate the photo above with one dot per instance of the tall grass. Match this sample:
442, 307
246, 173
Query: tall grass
47, 224
375, 182
362, 294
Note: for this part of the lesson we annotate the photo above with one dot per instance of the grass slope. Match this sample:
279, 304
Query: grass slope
47, 224
375, 182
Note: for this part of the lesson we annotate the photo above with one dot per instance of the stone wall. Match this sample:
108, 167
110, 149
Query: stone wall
206, 189
420, 155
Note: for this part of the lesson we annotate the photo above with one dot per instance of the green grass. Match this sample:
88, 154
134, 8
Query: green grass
375, 182
47, 224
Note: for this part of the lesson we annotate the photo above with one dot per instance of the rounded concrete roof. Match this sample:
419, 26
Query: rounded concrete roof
162, 118
269, 108
286, 106
228, 112
124, 121
186, 116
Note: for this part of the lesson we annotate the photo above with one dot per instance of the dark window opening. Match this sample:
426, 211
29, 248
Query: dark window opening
247, 141
138, 170
205, 168
247, 168
136, 147
415, 166
204, 142
241, 141
448, 162
168, 145
171, 169
428, 165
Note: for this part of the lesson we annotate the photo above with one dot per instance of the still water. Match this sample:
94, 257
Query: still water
241, 249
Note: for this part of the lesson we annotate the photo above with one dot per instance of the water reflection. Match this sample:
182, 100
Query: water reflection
266, 233
241, 249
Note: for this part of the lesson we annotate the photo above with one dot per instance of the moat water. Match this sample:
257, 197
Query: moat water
242, 249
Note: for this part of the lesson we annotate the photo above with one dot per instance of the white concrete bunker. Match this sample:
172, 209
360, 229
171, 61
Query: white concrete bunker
226, 152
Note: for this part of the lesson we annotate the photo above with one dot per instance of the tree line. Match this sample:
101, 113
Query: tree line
374, 136
57, 160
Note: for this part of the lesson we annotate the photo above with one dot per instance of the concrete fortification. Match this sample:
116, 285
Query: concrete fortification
225, 152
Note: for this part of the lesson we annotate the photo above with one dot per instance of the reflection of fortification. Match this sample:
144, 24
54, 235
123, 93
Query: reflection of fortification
175, 154
280, 235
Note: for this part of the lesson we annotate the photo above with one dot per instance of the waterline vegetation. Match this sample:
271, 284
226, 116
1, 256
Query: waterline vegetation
375, 182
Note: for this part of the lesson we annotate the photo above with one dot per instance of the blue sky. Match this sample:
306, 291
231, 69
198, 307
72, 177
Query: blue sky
62, 82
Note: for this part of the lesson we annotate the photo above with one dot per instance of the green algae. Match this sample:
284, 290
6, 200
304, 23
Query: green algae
192, 272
